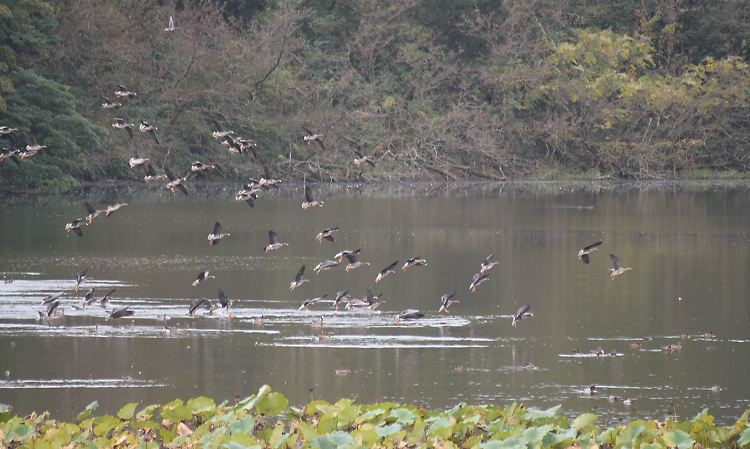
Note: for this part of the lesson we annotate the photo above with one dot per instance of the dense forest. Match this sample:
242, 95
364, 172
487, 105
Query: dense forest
451, 89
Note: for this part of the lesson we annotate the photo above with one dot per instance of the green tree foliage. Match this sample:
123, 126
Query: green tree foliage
46, 108
451, 89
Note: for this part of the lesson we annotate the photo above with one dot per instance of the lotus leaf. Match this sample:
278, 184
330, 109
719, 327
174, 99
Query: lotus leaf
147, 412
441, 428
366, 438
744, 438
583, 421
177, 414
272, 404
679, 439
347, 416
403, 415
126, 413
388, 430
328, 423
242, 425
332, 441
201, 405
87, 411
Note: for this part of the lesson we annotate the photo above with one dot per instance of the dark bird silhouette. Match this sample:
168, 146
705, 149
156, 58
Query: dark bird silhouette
584, 253
105, 299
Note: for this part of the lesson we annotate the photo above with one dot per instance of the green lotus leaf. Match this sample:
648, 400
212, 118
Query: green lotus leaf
651, 446
347, 416
308, 432
200, 405
390, 429
584, 421
328, 423
403, 415
441, 428
147, 412
332, 441
371, 414
535, 433
272, 404
679, 439
126, 413
242, 425
87, 412
177, 414
744, 438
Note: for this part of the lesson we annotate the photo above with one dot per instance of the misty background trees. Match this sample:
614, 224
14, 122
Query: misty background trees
448, 89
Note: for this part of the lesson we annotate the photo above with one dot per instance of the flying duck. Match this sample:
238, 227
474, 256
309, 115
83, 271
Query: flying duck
409, 314
312, 136
326, 234
478, 279
226, 303
202, 276
325, 265
486, 264
151, 130
445, 302
120, 312
298, 279
274, 242
309, 201
353, 262
124, 92
75, 226
617, 268
80, 277
415, 262
120, 124
521, 313
385, 271
109, 104
584, 253
214, 237
346, 252
113, 208
136, 159
174, 181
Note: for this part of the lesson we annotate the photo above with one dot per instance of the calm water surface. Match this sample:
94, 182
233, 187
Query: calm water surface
688, 245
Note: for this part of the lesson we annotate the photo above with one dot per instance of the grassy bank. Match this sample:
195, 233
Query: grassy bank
254, 422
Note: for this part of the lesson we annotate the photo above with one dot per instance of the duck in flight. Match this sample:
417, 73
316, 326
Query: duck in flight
360, 159
113, 208
80, 277
151, 130
124, 92
206, 303
340, 296
226, 303
298, 279
220, 133
345, 252
385, 271
216, 236
446, 301
325, 265
93, 213
120, 124
478, 279
616, 267
309, 201
311, 136
521, 313
486, 264
584, 253
136, 159
415, 262
109, 104
202, 276
274, 242
353, 262
174, 181
75, 226
326, 234
311, 301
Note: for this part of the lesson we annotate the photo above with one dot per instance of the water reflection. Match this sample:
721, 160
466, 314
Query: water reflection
688, 246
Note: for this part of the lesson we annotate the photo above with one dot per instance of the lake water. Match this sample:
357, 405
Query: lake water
688, 245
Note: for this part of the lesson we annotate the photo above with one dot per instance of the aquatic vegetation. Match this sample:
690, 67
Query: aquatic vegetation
255, 422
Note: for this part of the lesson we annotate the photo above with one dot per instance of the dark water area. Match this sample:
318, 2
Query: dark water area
688, 245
